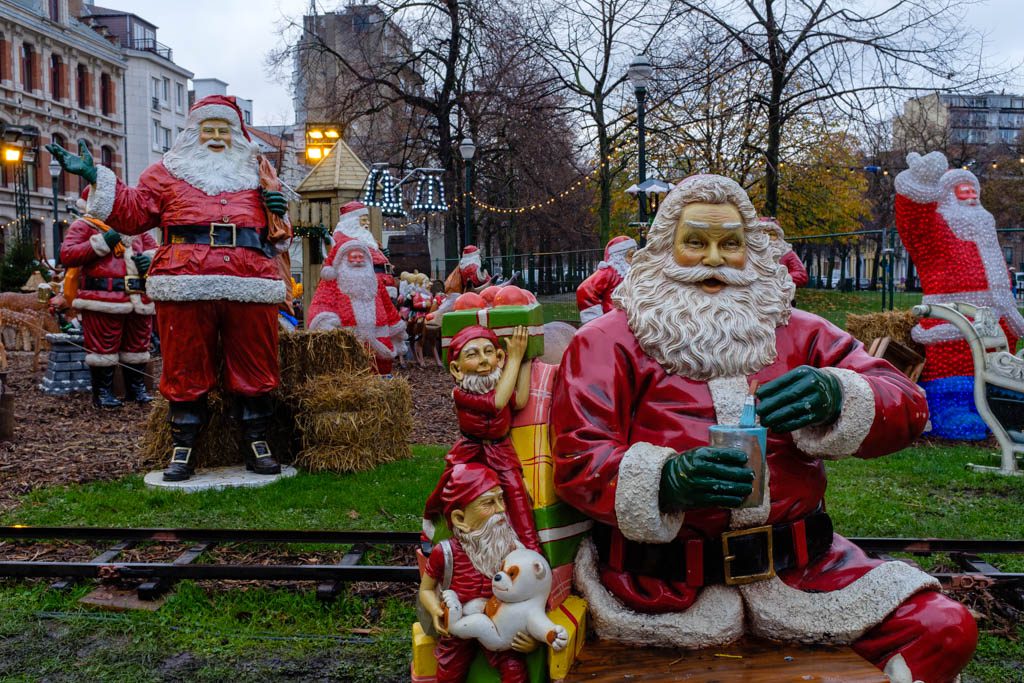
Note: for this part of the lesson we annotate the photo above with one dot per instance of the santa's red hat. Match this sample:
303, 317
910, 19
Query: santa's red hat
468, 334
83, 200
217, 107
469, 249
338, 251
466, 483
618, 245
355, 208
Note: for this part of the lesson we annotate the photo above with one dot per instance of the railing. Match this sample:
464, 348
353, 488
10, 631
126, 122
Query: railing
544, 273
150, 45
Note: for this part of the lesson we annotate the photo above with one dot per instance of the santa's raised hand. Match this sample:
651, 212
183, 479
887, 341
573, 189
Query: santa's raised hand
80, 165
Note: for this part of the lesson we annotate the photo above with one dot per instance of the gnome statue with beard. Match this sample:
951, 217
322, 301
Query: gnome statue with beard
675, 558
350, 296
952, 240
215, 279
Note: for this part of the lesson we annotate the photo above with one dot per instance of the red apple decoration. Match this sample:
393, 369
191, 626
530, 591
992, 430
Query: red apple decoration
510, 295
469, 301
489, 294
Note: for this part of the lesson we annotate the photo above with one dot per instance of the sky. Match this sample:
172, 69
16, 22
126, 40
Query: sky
230, 40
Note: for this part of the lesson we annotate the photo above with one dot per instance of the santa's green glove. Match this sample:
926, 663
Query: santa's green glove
804, 397
142, 262
81, 165
708, 476
276, 202
112, 238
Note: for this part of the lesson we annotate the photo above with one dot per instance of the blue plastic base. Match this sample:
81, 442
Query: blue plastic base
951, 405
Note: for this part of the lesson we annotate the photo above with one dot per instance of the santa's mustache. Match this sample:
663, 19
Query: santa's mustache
215, 144
694, 274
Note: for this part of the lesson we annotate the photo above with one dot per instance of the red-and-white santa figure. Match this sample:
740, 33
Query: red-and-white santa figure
471, 269
705, 310
350, 296
784, 251
594, 295
215, 278
952, 240
117, 316
354, 223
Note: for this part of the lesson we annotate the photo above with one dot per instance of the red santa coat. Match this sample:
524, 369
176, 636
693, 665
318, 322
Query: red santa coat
617, 416
332, 309
84, 248
797, 271
191, 272
594, 295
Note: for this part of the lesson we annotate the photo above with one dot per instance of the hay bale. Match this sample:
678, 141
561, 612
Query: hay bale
305, 355
893, 324
352, 422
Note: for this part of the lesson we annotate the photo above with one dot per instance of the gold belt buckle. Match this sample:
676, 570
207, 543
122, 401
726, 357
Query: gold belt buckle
213, 235
728, 558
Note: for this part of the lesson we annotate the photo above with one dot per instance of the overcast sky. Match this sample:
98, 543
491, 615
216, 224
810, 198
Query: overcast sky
230, 39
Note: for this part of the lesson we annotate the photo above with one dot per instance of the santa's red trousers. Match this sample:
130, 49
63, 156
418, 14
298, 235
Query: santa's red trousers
189, 336
454, 656
109, 334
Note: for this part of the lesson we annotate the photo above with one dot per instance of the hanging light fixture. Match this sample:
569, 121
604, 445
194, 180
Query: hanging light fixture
371, 195
429, 192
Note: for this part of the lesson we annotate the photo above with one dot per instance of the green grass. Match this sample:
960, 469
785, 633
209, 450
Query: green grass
835, 306
273, 633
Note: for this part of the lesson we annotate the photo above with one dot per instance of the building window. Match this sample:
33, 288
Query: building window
28, 67
55, 10
166, 132
82, 86
247, 117
156, 135
179, 101
156, 88
56, 87
107, 157
165, 94
107, 100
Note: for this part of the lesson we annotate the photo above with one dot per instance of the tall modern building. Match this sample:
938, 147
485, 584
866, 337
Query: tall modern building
60, 81
939, 120
155, 89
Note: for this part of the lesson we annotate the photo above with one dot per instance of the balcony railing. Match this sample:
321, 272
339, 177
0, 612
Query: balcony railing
150, 45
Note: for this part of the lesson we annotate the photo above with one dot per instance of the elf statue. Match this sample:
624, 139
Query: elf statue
675, 560
952, 240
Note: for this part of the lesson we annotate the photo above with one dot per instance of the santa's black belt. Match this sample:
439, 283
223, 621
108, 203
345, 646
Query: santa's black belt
735, 557
226, 235
485, 442
114, 284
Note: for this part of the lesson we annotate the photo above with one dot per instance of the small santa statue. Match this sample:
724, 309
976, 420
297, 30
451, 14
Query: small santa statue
952, 240
594, 295
471, 273
784, 250
354, 223
350, 296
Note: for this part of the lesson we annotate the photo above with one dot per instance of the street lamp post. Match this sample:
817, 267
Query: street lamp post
55, 171
467, 149
640, 72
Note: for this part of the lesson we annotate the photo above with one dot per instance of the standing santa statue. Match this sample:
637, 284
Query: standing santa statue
349, 296
216, 279
952, 240
594, 295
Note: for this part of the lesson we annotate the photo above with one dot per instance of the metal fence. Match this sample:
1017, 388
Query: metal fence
543, 273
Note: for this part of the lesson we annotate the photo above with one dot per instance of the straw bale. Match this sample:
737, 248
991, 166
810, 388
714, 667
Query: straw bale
353, 422
893, 324
305, 355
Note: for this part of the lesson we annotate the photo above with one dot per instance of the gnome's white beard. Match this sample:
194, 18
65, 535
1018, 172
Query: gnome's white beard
488, 546
231, 170
699, 335
480, 384
359, 284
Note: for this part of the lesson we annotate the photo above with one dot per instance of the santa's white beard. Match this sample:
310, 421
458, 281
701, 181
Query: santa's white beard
480, 384
233, 169
488, 546
699, 335
619, 263
356, 231
470, 260
359, 284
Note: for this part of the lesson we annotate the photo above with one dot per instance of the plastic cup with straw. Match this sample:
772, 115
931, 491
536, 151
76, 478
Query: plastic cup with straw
751, 438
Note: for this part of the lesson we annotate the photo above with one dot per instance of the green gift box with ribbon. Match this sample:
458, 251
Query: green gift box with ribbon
561, 527
502, 320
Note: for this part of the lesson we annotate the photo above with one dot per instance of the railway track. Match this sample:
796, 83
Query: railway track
191, 562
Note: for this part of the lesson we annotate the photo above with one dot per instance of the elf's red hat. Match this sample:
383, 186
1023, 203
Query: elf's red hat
466, 483
468, 334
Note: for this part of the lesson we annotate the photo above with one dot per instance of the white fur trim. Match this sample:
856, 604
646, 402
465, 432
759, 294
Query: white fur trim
134, 357
283, 245
325, 321
328, 273
636, 495
428, 528
622, 247
115, 307
98, 244
921, 181
140, 307
215, 288
779, 612
727, 396
392, 292
842, 439
716, 618
592, 313
101, 360
898, 671
213, 111
101, 197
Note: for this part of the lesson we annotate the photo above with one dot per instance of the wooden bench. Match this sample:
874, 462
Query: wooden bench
749, 661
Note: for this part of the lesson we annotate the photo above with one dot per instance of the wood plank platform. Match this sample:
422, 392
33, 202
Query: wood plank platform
749, 661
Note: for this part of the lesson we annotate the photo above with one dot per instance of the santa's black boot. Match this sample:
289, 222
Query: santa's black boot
187, 418
255, 416
103, 387
135, 383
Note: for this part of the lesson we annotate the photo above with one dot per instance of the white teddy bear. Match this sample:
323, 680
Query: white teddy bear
520, 592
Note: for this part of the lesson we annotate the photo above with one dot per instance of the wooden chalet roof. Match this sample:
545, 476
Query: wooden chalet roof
340, 170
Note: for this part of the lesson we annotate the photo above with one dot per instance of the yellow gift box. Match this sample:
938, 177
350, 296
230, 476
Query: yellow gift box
534, 451
572, 614
424, 665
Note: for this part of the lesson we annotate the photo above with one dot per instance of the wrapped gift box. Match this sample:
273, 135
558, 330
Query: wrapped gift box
502, 320
571, 614
534, 451
561, 527
424, 664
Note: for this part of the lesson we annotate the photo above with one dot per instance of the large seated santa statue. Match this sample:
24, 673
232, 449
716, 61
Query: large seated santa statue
350, 296
594, 295
952, 240
675, 560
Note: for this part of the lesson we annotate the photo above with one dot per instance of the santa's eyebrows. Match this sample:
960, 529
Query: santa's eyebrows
700, 225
